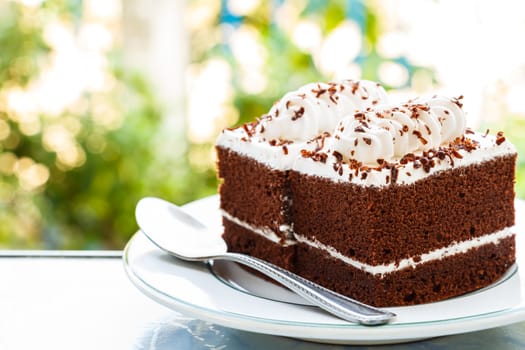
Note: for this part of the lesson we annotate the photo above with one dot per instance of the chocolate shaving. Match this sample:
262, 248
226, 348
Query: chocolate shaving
338, 167
319, 91
360, 116
315, 156
409, 157
320, 157
420, 137
249, 128
393, 174
298, 114
500, 138
355, 86
457, 101
338, 156
456, 154
319, 140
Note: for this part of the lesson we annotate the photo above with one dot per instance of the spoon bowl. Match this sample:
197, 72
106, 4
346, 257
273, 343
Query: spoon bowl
176, 232
183, 236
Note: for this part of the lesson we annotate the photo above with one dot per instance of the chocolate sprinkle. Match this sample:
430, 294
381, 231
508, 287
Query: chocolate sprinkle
360, 116
393, 174
420, 137
355, 86
500, 138
315, 156
298, 113
319, 91
338, 156
457, 101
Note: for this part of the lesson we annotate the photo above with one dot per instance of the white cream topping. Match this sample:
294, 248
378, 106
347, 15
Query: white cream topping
317, 131
438, 254
274, 157
382, 269
410, 172
389, 132
316, 108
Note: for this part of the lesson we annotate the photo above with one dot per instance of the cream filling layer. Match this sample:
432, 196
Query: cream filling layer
265, 232
438, 254
383, 269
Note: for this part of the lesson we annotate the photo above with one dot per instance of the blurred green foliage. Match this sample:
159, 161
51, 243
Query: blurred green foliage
89, 203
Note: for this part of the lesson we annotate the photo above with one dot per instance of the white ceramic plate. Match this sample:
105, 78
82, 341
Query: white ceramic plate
225, 294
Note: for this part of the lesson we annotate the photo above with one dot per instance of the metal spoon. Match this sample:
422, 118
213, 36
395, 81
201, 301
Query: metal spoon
181, 235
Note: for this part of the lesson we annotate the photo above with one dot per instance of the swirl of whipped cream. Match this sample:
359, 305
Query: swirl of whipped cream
392, 132
450, 115
317, 107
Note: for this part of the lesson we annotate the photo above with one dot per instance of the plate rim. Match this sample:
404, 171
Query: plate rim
341, 333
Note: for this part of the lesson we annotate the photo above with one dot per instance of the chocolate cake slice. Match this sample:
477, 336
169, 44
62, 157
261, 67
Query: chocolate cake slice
388, 204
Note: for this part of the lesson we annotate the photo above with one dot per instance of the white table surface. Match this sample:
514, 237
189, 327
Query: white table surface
79, 302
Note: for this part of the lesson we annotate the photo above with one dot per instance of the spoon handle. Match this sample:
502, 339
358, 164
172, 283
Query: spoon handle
335, 303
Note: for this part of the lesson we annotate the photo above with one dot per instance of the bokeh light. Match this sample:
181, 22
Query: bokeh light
340, 47
83, 131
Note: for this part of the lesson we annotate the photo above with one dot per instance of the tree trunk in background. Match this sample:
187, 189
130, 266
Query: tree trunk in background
156, 44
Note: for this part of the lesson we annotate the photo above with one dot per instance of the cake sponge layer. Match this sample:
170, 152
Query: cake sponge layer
430, 282
252, 192
378, 225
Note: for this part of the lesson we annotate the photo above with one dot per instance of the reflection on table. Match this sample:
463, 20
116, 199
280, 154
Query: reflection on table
85, 301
